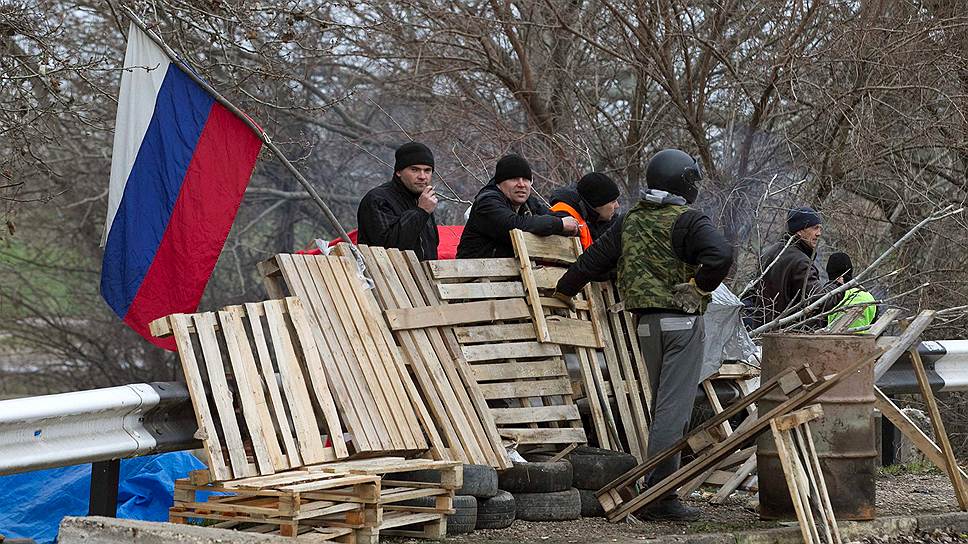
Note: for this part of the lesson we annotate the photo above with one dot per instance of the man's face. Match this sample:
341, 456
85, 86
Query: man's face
811, 235
517, 190
607, 211
416, 177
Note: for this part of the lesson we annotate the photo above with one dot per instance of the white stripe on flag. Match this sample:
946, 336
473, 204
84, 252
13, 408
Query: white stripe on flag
145, 66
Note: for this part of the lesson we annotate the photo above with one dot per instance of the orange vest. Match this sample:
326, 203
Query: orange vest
584, 234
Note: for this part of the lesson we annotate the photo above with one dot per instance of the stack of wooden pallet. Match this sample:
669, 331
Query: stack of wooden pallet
455, 413
270, 411
349, 502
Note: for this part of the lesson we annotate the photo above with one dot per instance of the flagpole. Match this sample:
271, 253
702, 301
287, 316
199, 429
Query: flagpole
249, 123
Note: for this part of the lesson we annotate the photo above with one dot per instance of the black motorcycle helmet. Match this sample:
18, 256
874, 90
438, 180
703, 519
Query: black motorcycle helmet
676, 172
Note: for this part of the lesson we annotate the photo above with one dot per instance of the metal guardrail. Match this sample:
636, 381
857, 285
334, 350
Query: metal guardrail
147, 418
97, 425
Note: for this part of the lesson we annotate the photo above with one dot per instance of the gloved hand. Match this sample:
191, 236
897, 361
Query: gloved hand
565, 298
687, 296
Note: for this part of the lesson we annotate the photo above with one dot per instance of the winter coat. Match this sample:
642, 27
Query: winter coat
492, 217
793, 274
693, 239
388, 216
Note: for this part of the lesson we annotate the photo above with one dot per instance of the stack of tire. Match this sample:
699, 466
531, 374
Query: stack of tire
593, 469
542, 490
478, 504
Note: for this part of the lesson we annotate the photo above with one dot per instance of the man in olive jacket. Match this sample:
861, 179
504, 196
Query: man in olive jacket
669, 258
505, 204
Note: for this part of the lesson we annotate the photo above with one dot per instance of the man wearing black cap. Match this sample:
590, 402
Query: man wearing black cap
840, 270
505, 204
593, 203
400, 212
790, 271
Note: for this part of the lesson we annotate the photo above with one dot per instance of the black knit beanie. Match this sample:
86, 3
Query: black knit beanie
801, 218
597, 189
510, 167
412, 153
838, 264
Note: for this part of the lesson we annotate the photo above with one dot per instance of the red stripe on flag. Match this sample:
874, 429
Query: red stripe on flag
207, 203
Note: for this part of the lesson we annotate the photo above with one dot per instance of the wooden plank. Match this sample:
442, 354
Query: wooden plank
572, 332
373, 370
521, 370
519, 242
883, 322
254, 312
510, 350
535, 414
483, 311
840, 325
464, 380
559, 249
294, 385
908, 338
801, 416
454, 397
737, 479
474, 268
597, 399
459, 291
713, 398
439, 426
338, 353
392, 360
324, 396
565, 435
951, 463
555, 303
479, 334
546, 277
258, 420
914, 433
221, 395
207, 430
805, 439
788, 461
539, 388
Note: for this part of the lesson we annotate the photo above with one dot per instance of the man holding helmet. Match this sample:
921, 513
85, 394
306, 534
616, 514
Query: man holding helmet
669, 258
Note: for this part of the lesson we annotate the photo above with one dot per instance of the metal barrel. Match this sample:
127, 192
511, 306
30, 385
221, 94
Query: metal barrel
844, 437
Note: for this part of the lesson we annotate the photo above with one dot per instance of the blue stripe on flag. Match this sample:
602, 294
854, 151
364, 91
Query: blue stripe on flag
181, 110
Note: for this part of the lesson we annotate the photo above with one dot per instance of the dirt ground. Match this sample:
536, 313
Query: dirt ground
896, 495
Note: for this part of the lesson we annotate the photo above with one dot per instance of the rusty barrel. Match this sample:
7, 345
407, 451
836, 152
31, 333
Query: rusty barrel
844, 438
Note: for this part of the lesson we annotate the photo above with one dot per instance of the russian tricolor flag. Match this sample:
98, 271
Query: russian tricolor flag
179, 170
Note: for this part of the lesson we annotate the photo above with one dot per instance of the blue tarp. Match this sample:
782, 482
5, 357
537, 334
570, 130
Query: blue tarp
32, 504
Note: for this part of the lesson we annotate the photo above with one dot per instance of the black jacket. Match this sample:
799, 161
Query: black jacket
596, 226
793, 274
492, 218
388, 216
694, 239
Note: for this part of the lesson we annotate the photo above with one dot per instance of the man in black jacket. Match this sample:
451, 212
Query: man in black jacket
669, 258
593, 203
400, 212
504, 204
790, 269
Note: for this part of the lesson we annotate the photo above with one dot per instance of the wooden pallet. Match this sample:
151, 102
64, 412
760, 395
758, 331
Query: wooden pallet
628, 375
230, 360
445, 379
329, 506
380, 403
804, 477
524, 381
402, 482
620, 497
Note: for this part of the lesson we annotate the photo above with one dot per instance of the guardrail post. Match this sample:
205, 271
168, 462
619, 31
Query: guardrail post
104, 488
